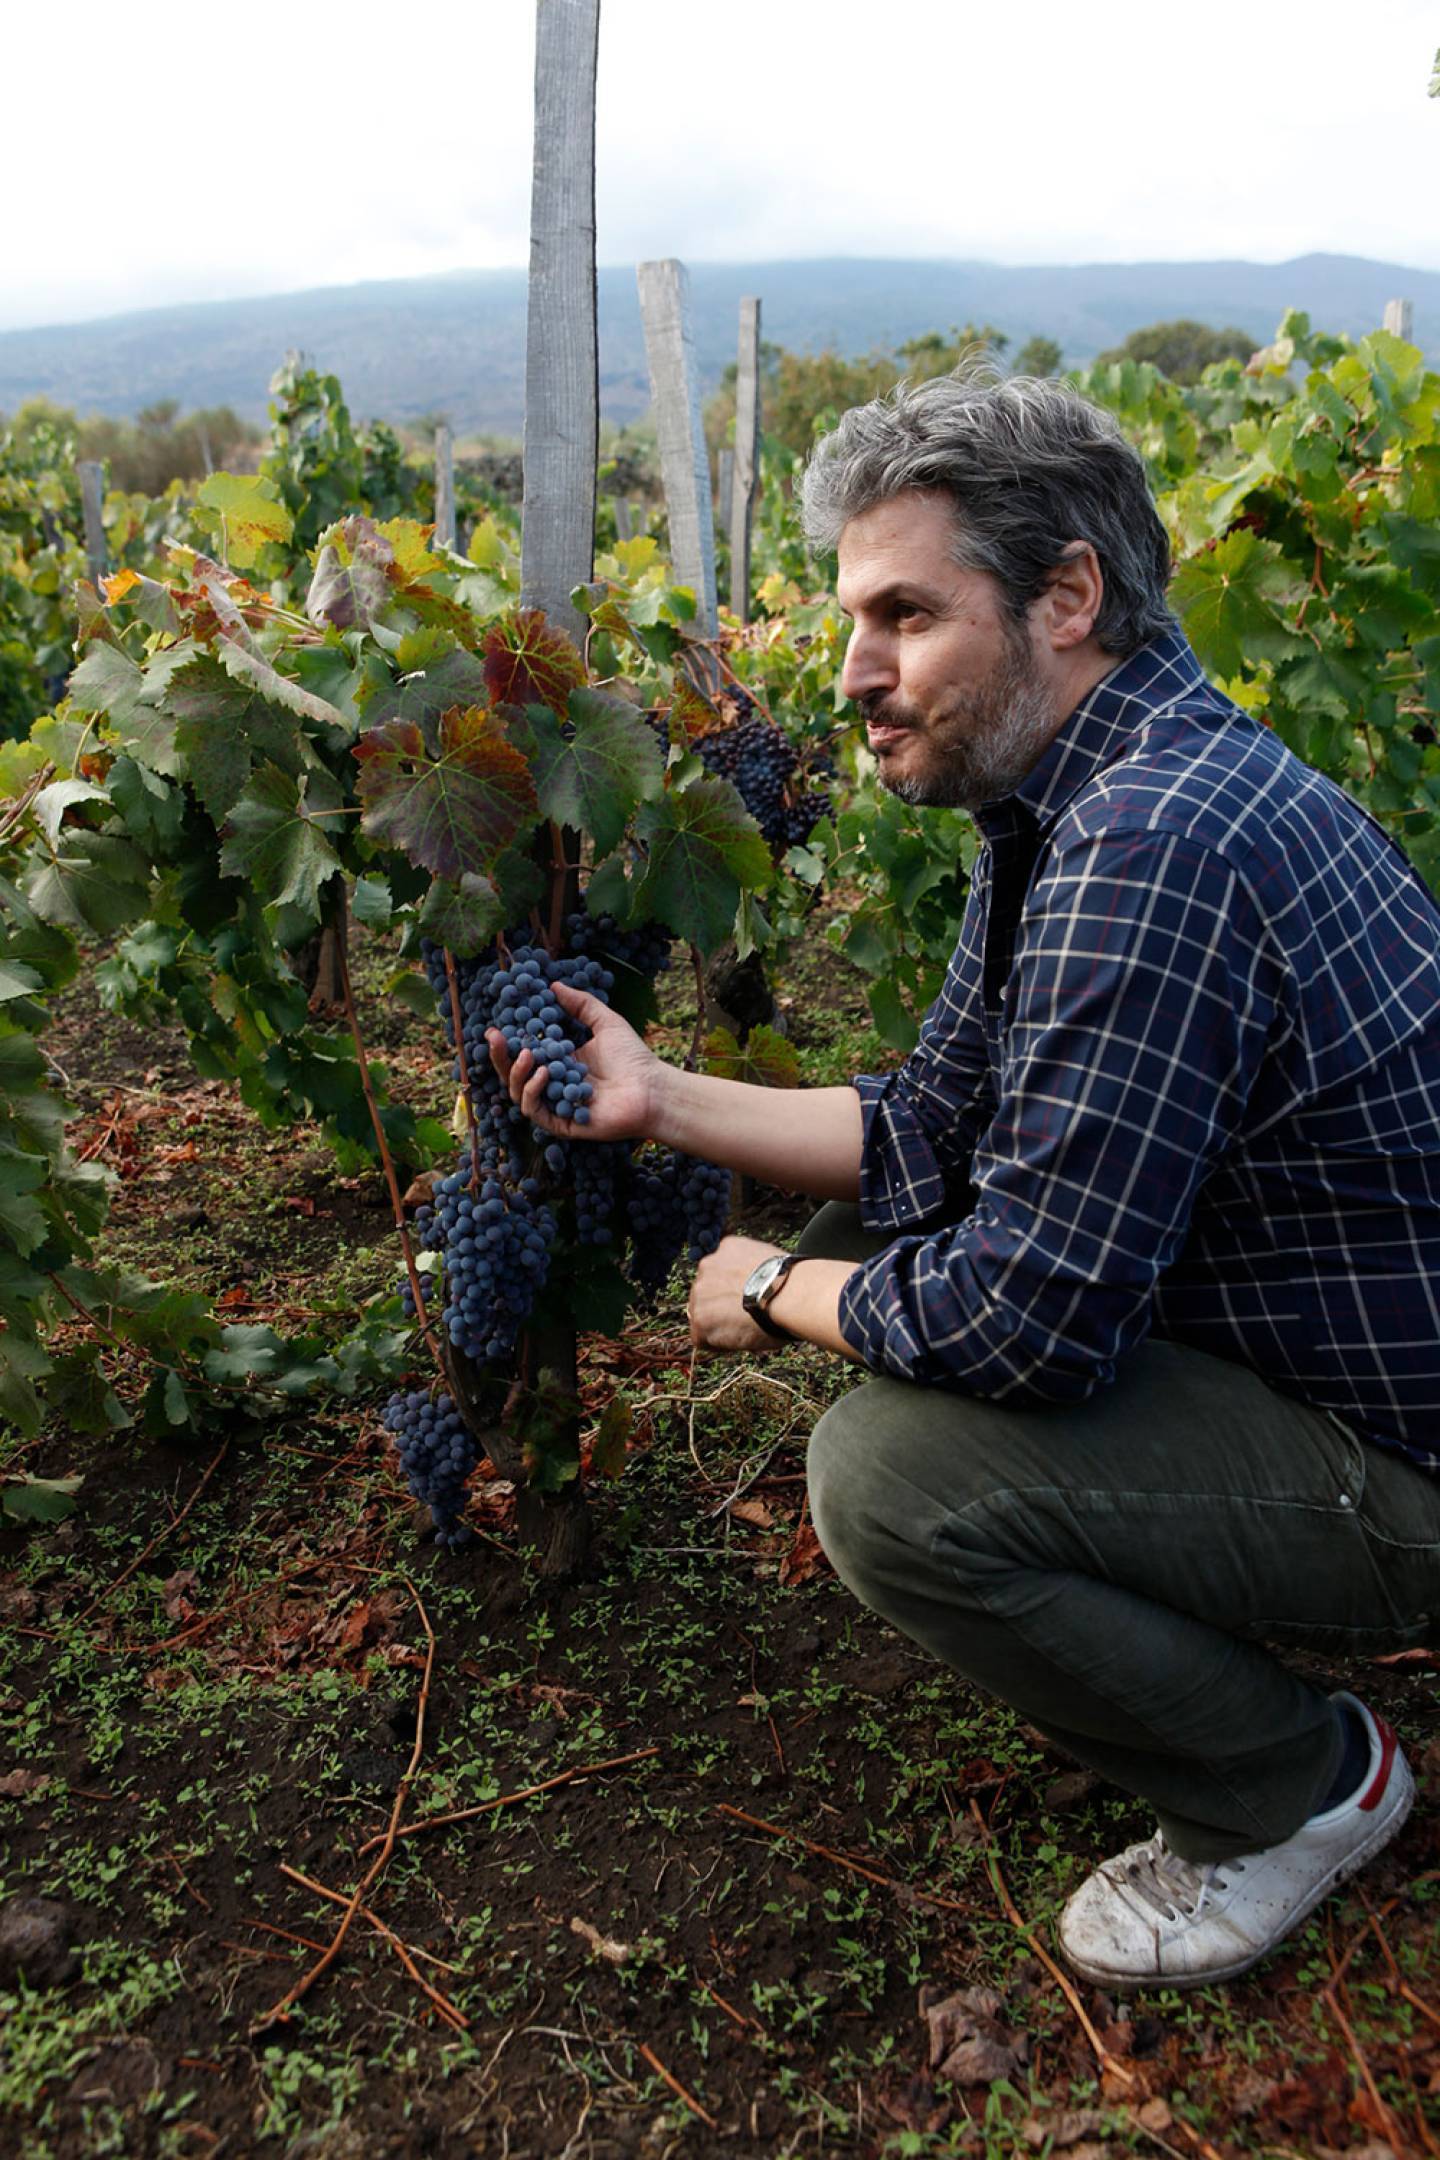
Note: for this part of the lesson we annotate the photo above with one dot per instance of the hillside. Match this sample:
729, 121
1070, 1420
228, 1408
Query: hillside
456, 344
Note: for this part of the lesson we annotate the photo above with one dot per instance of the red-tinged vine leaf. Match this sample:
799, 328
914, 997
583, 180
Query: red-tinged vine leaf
692, 716
765, 1060
592, 774
452, 809
92, 622
348, 589
529, 663
465, 916
457, 678
277, 838
612, 1438
703, 846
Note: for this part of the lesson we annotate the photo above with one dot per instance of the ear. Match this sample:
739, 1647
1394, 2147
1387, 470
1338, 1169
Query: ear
1067, 608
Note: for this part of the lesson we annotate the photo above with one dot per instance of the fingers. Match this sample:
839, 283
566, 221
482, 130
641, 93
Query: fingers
525, 1080
580, 1004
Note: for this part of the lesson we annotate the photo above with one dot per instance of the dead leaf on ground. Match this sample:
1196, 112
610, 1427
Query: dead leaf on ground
916, 2105
804, 1559
23, 1784
968, 2040
754, 1512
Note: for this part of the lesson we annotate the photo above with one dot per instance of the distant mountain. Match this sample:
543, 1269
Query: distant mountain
456, 345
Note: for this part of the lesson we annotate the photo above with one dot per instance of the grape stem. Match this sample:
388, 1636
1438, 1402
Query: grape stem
387, 1160
697, 1040
459, 1026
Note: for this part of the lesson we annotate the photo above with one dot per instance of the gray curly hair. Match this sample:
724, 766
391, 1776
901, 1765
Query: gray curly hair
1030, 466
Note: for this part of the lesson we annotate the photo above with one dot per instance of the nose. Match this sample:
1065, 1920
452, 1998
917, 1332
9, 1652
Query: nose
869, 663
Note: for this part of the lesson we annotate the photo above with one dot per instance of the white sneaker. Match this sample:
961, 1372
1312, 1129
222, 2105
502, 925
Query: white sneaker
1150, 1919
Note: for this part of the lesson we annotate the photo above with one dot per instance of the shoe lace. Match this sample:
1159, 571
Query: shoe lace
1174, 1888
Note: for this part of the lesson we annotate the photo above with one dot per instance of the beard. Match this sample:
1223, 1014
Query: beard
984, 740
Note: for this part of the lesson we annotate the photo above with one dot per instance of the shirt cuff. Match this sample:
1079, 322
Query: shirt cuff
901, 1182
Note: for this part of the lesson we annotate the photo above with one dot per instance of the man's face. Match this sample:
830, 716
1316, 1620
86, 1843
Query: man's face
956, 704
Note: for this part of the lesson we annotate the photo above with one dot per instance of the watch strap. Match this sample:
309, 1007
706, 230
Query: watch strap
759, 1307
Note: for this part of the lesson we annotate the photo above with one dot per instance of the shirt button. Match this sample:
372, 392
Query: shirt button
1345, 1500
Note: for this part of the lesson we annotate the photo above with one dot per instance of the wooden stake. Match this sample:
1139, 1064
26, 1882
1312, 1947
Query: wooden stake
684, 464
562, 389
747, 455
92, 501
1400, 319
444, 487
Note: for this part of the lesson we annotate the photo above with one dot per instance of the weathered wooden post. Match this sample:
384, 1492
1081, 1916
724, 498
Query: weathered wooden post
1400, 318
724, 488
557, 553
747, 455
444, 487
92, 502
684, 462
562, 385
624, 517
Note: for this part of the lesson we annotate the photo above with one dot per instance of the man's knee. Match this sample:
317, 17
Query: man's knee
876, 1510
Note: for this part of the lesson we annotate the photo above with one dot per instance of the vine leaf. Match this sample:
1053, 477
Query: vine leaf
692, 716
452, 809
25, 1498
248, 513
107, 681
465, 916
349, 593
612, 1439
765, 1060
592, 772
703, 846
220, 726
94, 881
456, 679
276, 842
1227, 601
529, 663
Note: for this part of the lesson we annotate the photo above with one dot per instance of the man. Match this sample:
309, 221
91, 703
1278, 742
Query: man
1142, 1243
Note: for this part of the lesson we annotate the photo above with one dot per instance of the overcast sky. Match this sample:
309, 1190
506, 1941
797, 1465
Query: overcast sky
184, 152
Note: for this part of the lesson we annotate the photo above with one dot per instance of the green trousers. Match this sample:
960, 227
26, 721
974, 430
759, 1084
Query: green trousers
1121, 1571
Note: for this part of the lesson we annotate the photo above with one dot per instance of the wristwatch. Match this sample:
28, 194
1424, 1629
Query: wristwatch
762, 1287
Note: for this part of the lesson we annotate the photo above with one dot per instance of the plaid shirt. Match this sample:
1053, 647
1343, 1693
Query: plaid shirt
1183, 1078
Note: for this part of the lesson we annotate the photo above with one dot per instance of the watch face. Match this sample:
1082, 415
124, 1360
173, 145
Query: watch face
761, 1278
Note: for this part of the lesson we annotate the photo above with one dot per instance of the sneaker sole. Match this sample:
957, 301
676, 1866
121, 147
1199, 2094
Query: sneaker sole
1122, 1983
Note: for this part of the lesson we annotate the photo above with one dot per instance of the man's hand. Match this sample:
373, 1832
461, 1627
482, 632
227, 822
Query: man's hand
627, 1078
718, 1320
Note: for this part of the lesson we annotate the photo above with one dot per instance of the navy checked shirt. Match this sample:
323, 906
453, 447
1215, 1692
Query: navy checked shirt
1183, 1078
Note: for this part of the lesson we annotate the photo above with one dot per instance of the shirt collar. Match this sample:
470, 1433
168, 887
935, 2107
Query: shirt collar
1102, 726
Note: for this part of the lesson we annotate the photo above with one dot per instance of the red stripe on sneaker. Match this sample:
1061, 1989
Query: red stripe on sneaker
1371, 1797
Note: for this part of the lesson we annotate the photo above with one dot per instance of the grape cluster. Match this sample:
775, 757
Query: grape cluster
494, 1226
496, 1245
761, 763
673, 1204
437, 1455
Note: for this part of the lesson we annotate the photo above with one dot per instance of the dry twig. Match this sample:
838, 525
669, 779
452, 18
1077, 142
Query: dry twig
159, 1537
307, 1980
487, 1807
676, 2087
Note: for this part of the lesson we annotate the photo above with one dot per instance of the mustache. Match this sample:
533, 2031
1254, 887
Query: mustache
882, 708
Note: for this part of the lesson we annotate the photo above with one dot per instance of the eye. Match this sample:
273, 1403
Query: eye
907, 611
